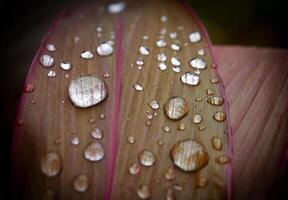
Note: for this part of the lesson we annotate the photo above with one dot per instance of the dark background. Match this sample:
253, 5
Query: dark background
24, 22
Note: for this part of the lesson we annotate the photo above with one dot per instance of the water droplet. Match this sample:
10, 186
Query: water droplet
47, 60
197, 118
134, 168
29, 88
51, 74
66, 76
175, 61
176, 108
87, 55
75, 140
148, 123
176, 69
198, 99
190, 78
219, 116
195, 37
138, 87
189, 155
178, 187
97, 133
170, 174
215, 100
144, 51
106, 75
202, 128
214, 80
87, 91
76, 39
175, 47
162, 66
160, 143
99, 29
202, 182
81, 183
198, 63
164, 18
209, 92
116, 7
147, 158
131, 139
197, 71
51, 47
145, 37
161, 57
51, 164
149, 115
169, 194
161, 43
105, 49
94, 152
217, 143
139, 62
201, 52
173, 35
222, 160
166, 129
154, 104
66, 65
102, 116
181, 127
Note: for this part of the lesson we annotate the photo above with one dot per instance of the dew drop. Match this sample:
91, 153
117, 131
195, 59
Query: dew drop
139, 62
209, 92
197, 71
76, 39
134, 168
144, 51
176, 69
94, 152
51, 164
161, 43
160, 143
147, 158
178, 187
195, 37
164, 18
201, 52
81, 183
75, 140
162, 66
148, 123
197, 118
145, 37
51, 47
99, 29
51, 74
87, 91
154, 104
97, 133
198, 99
215, 100
176, 108
87, 55
175, 47
222, 160
116, 7
189, 155
175, 61
202, 182
198, 63
106, 75
219, 116
66, 76
170, 174
47, 60
214, 80
166, 129
202, 128
138, 87
216, 143
181, 127
173, 35
102, 116
105, 49
161, 57
190, 78
66, 65
29, 88
131, 139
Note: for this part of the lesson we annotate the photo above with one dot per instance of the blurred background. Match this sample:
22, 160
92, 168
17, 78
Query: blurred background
24, 22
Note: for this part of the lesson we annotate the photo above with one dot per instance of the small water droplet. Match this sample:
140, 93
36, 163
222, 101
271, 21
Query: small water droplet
154, 104
190, 78
195, 37
173, 35
189, 155
134, 168
81, 183
51, 164
145, 37
144, 51
160, 143
209, 92
97, 133
51, 74
176, 69
216, 143
175, 47
138, 87
66, 65
222, 160
76, 39
106, 75
178, 187
169, 194
75, 140
197, 118
201, 52
139, 62
219, 116
51, 47
202, 128
175, 61
143, 192
147, 158
47, 60
198, 99
105, 49
131, 139
176, 108
166, 129
161, 43
197, 71
181, 127
29, 88
148, 123
66, 76
170, 174
94, 152
115, 8
214, 80
162, 66
164, 18
215, 100
161, 57
99, 29
149, 115
87, 91
214, 65
198, 63
102, 116
87, 55
202, 182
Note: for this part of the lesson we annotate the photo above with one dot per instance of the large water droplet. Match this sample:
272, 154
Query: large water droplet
176, 108
138, 87
189, 155
216, 143
144, 51
161, 57
175, 61
51, 164
147, 158
195, 37
51, 47
198, 63
219, 116
190, 78
161, 43
97, 133
215, 100
134, 168
87, 91
105, 49
94, 152
116, 7
154, 104
87, 55
222, 160
143, 192
66, 65
81, 183
47, 60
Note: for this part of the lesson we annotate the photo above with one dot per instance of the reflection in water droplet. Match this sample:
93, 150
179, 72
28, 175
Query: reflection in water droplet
138, 87
202, 182
105, 49
161, 43
219, 116
190, 78
131, 139
215, 100
198, 63
143, 192
51, 164
28, 88
170, 174
161, 57
51, 47
134, 168
173, 35
176, 108
162, 66
197, 118
66, 65
51, 74
81, 183
86, 55
75, 140
189, 155
147, 158
195, 37
116, 7
94, 152
175, 61
144, 51
222, 160
97, 133
216, 143
87, 91
47, 60
175, 47
154, 104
